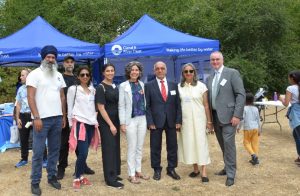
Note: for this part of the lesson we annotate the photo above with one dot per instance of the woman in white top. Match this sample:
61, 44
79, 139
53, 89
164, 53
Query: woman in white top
132, 115
192, 139
292, 97
83, 123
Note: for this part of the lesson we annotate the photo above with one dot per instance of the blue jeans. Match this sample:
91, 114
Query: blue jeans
296, 134
83, 148
51, 130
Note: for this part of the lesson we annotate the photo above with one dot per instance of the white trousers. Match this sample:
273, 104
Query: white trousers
135, 134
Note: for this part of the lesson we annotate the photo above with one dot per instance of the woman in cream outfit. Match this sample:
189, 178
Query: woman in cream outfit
192, 139
132, 115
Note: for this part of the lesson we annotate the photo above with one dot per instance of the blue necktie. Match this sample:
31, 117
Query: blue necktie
214, 89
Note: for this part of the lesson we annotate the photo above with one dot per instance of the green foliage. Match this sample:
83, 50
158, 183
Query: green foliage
247, 25
259, 38
253, 72
9, 78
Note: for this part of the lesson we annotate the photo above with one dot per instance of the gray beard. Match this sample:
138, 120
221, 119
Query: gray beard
49, 68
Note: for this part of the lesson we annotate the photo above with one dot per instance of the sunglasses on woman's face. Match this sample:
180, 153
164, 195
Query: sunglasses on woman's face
189, 71
84, 74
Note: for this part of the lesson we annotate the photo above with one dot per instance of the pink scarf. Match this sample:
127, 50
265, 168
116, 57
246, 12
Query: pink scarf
81, 136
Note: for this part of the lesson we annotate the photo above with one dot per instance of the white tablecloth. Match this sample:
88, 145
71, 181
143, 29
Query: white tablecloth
271, 103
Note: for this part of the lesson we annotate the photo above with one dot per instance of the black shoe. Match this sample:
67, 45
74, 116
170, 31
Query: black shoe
173, 174
54, 183
116, 185
157, 175
193, 174
35, 189
204, 179
221, 173
254, 161
89, 171
119, 178
229, 182
297, 161
60, 173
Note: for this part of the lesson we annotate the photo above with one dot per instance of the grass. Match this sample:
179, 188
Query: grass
276, 175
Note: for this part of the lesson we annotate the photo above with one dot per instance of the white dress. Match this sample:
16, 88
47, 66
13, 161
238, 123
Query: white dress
192, 139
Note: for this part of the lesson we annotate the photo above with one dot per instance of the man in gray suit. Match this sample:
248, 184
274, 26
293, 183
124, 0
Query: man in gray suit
227, 99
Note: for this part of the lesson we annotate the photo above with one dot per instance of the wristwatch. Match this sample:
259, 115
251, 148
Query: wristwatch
36, 118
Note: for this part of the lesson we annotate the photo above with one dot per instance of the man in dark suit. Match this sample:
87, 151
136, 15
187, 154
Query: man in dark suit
227, 99
163, 112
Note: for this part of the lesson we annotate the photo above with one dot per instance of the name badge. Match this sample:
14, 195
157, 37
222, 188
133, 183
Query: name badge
223, 82
113, 85
173, 92
187, 99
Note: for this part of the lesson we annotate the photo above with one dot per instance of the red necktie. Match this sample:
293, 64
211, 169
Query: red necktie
163, 90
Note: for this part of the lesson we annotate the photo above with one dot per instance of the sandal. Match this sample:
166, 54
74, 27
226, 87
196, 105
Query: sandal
142, 176
134, 180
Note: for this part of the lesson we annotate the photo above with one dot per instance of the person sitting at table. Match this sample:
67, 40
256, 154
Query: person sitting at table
292, 97
251, 127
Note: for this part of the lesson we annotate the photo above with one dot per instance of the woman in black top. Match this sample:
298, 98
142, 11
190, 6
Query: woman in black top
107, 97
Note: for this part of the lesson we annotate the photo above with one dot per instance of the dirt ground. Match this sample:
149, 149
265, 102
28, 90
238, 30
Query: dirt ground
276, 175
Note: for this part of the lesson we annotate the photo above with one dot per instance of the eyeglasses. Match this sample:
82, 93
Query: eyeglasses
189, 71
217, 59
84, 74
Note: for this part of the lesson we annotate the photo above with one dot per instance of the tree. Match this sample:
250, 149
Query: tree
259, 38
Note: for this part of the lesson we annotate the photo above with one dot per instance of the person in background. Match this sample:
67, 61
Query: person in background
19, 82
132, 114
46, 100
292, 97
251, 127
107, 98
70, 80
22, 118
82, 119
18, 85
192, 138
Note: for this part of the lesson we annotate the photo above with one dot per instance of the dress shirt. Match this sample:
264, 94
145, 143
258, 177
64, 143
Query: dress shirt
219, 71
165, 83
83, 110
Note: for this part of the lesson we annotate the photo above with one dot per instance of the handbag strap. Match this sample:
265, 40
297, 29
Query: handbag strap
75, 95
102, 87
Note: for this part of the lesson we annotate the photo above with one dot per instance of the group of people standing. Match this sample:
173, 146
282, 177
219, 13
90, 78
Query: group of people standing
98, 115
187, 112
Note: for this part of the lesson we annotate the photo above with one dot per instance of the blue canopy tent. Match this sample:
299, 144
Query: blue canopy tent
148, 41
23, 47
